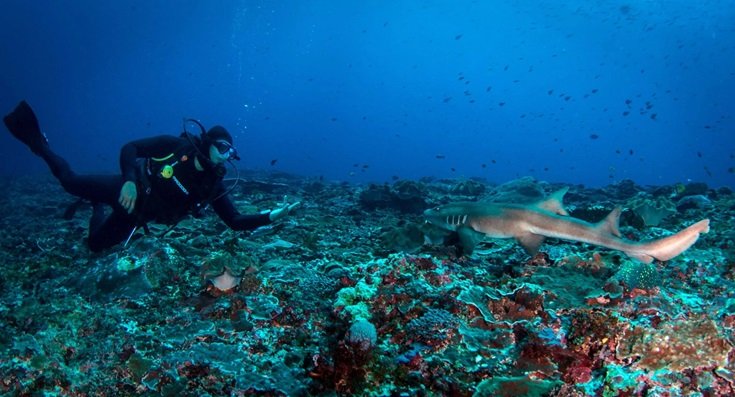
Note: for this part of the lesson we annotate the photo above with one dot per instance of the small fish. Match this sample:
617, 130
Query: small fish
625, 113
273, 162
501, 103
594, 90
594, 136
493, 161
441, 156
457, 37
653, 116
453, 170
699, 154
483, 165
628, 101
447, 99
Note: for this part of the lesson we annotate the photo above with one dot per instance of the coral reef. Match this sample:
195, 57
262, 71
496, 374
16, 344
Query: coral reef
352, 295
652, 210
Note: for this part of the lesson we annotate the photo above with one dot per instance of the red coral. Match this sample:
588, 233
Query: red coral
523, 304
578, 374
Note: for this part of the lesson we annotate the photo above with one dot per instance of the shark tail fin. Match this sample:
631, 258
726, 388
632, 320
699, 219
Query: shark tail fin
671, 246
555, 202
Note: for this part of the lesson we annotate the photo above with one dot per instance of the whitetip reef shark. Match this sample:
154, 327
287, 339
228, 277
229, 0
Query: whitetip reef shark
531, 224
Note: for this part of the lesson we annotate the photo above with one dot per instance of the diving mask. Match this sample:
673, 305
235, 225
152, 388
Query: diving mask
225, 149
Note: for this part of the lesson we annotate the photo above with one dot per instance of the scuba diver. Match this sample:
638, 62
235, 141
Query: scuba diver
164, 178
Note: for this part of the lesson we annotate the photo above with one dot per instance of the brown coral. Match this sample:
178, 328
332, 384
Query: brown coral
676, 345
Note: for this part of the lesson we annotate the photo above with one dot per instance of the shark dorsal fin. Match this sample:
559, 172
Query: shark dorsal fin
611, 221
554, 203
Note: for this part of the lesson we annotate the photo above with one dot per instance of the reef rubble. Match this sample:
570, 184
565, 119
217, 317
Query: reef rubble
354, 295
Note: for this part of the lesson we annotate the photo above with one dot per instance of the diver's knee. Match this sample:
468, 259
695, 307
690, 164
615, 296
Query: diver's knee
96, 244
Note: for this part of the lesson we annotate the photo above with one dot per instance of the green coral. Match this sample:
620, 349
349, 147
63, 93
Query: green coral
354, 300
652, 210
637, 275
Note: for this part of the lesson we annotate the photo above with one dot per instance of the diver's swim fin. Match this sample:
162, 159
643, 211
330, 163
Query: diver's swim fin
23, 124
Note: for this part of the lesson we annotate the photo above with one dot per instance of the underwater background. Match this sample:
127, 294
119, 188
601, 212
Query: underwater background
369, 113
587, 92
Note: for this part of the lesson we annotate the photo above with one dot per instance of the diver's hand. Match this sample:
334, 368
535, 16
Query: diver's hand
128, 194
282, 212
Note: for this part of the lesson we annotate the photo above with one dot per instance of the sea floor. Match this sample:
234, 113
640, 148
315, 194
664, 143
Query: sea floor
354, 295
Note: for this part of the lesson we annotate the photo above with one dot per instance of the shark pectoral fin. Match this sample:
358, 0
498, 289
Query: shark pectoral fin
469, 238
530, 242
611, 222
554, 203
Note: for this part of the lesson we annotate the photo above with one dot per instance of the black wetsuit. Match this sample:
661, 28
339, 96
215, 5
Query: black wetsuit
169, 187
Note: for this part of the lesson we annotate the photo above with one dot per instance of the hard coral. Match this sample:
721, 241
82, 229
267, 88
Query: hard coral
652, 210
638, 275
515, 386
405, 196
523, 304
225, 281
675, 346
362, 335
590, 331
434, 328
468, 188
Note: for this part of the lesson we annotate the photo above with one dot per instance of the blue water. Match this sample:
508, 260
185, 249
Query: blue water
587, 92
